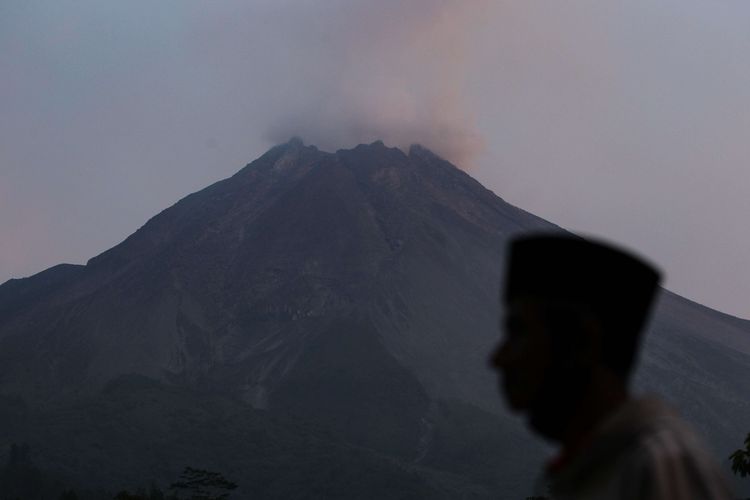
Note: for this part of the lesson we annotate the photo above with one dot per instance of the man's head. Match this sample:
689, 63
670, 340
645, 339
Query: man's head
574, 310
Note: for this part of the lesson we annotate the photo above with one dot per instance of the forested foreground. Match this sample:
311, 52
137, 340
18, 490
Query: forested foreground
21, 479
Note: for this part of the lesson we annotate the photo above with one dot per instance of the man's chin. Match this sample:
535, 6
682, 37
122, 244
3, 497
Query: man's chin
514, 403
548, 428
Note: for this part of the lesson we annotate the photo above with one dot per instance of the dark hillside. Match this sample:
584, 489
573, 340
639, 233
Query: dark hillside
315, 325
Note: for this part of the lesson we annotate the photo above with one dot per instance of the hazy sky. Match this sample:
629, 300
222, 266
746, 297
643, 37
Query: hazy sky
629, 120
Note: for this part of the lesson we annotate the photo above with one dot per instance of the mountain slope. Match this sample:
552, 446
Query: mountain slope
353, 295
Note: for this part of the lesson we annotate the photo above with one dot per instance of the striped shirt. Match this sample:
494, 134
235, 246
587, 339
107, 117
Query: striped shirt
642, 452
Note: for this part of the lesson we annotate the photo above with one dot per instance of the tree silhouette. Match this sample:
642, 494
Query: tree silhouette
68, 495
741, 459
203, 485
20, 478
19, 455
154, 494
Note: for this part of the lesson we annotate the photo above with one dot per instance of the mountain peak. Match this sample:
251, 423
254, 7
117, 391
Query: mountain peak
420, 151
296, 141
415, 150
375, 146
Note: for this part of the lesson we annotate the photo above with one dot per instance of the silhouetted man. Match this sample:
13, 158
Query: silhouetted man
574, 315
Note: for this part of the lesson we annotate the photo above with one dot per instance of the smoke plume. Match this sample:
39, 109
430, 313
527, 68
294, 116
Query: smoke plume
393, 70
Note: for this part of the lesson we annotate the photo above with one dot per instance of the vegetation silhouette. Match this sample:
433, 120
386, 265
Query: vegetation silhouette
21, 479
154, 493
201, 484
741, 459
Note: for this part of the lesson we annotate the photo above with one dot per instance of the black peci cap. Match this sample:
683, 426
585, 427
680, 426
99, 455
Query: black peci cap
560, 266
616, 285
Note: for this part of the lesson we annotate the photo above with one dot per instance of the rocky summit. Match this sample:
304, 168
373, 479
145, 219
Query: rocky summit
317, 326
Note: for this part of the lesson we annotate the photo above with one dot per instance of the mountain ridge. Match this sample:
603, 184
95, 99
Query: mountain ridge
354, 294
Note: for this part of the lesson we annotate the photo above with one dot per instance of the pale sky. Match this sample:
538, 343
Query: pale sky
629, 120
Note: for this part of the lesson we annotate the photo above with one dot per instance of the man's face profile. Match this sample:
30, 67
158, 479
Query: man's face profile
523, 356
544, 365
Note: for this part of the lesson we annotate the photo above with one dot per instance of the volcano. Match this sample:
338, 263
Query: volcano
316, 325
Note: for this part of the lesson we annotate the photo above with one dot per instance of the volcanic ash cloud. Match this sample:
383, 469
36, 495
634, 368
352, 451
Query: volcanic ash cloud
394, 70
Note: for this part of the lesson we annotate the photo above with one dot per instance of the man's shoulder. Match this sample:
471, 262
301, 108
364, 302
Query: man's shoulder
645, 450
658, 433
669, 460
